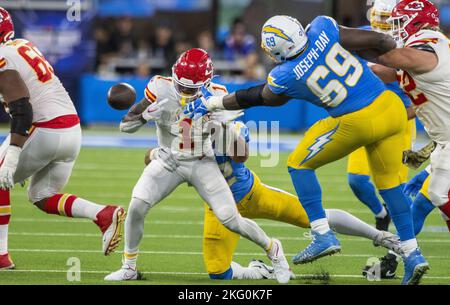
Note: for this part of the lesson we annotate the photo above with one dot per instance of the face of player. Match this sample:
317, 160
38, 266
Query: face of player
187, 93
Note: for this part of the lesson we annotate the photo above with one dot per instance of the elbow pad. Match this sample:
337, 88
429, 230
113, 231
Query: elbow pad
250, 97
21, 113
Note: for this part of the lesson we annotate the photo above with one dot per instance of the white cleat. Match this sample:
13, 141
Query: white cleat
279, 262
389, 241
126, 273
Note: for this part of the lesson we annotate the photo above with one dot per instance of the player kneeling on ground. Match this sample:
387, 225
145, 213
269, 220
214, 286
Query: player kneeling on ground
44, 142
186, 155
257, 200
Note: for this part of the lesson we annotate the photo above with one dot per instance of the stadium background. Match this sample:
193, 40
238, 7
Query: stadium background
118, 40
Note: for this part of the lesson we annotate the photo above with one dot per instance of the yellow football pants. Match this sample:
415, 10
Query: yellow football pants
379, 127
424, 189
262, 201
358, 162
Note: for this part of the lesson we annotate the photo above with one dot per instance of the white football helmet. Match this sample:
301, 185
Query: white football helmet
379, 13
283, 37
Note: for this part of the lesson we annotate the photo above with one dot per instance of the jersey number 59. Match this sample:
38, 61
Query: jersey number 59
340, 61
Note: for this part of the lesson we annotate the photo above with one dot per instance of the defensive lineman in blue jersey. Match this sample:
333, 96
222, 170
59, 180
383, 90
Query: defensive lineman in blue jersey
321, 65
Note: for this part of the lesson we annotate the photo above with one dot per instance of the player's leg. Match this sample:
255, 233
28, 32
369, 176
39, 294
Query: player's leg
385, 157
155, 184
439, 188
326, 141
268, 202
47, 183
359, 180
421, 207
207, 179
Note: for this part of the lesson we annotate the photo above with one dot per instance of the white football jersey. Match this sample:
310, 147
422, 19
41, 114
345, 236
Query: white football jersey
430, 92
48, 97
185, 137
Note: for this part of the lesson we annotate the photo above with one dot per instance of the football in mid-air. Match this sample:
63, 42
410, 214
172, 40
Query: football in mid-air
121, 96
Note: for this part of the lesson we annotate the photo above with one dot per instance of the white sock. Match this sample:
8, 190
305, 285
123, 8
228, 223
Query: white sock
345, 223
134, 230
82, 208
382, 214
244, 273
409, 246
3, 239
320, 225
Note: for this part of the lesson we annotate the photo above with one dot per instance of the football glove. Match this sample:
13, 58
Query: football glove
202, 106
9, 166
414, 159
415, 184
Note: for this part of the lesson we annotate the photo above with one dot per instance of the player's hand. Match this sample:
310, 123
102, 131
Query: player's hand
414, 159
9, 166
154, 111
415, 184
196, 109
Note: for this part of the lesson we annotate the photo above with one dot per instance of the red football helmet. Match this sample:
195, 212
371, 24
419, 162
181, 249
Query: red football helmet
410, 16
6, 26
191, 72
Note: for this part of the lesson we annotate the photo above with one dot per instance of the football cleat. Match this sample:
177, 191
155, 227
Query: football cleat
126, 273
389, 241
382, 224
110, 221
6, 263
266, 271
386, 268
415, 268
321, 245
279, 262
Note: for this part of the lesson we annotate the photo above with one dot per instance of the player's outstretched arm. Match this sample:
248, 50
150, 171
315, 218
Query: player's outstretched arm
368, 44
254, 96
386, 74
410, 59
133, 120
17, 99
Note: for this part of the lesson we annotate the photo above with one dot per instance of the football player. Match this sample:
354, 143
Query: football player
423, 65
257, 200
186, 155
321, 65
44, 141
358, 165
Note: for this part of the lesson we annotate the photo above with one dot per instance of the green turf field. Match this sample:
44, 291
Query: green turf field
41, 244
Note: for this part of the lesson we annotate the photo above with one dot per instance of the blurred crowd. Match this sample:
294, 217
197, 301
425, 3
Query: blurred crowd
123, 49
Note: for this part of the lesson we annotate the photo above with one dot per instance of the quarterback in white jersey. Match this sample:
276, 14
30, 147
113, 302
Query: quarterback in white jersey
44, 141
423, 70
185, 155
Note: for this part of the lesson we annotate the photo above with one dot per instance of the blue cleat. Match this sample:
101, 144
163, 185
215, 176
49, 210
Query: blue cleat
415, 267
321, 245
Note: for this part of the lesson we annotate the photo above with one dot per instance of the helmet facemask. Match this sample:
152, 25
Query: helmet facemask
399, 25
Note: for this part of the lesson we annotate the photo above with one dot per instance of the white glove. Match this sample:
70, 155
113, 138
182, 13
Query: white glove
166, 157
225, 116
154, 111
130, 126
9, 166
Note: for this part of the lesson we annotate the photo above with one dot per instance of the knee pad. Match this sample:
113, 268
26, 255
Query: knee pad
138, 209
229, 217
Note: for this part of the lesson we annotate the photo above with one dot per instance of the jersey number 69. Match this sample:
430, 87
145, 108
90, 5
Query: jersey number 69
339, 61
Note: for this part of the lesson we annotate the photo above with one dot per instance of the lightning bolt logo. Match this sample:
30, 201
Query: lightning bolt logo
277, 32
319, 144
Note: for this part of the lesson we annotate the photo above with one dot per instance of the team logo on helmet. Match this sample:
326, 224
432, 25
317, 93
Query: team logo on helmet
415, 6
270, 29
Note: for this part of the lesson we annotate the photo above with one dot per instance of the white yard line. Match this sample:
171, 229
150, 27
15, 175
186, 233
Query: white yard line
300, 276
179, 236
254, 254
